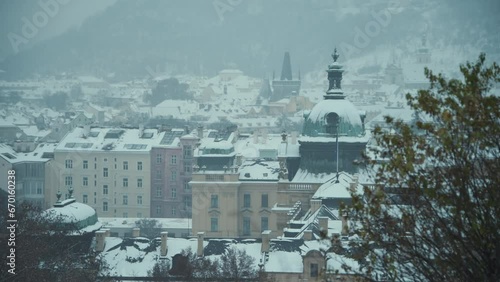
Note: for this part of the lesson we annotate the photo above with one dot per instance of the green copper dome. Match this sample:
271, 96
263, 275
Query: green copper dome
328, 115
334, 114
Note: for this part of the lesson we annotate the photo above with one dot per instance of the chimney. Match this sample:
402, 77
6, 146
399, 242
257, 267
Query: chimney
164, 247
266, 238
315, 205
141, 130
100, 237
255, 137
323, 223
345, 224
239, 159
308, 235
86, 130
200, 131
201, 236
264, 136
294, 137
108, 232
136, 232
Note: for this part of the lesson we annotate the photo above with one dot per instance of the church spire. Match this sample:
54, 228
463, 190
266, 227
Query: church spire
286, 69
335, 71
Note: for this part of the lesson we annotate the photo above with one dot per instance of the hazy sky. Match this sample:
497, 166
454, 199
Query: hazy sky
71, 13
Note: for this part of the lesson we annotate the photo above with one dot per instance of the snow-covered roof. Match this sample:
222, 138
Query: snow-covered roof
304, 176
37, 155
259, 171
344, 108
182, 109
71, 212
342, 139
333, 189
110, 139
174, 223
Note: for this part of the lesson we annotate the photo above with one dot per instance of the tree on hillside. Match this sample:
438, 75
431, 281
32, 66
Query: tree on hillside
56, 101
76, 92
169, 88
432, 214
46, 252
10, 97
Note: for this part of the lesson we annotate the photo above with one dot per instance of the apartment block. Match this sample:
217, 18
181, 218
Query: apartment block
171, 169
109, 169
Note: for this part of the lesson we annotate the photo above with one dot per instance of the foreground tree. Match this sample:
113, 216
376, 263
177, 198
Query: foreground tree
236, 265
45, 252
433, 213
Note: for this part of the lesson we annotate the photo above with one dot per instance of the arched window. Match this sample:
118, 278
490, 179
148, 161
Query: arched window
332, 123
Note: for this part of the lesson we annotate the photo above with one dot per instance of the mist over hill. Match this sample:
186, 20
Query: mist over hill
134, 38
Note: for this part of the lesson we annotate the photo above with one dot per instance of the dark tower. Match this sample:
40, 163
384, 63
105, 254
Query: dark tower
286, 86
286, 69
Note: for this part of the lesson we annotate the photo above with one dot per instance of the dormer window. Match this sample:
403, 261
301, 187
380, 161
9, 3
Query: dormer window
332, 123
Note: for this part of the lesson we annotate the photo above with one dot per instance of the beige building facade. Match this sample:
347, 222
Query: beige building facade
226, 206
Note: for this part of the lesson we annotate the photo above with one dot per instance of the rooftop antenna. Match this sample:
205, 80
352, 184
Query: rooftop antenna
337, 141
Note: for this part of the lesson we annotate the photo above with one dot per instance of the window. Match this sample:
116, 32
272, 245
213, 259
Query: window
264, 223
68, 181
85, 181
173, 176
246, 200
187, 168
158, 191
173, 159
104, 206
39, 188
139, 200
314, 270
125, 214
105, 172
246, 226
125, 165
85, 199
174, 192
188, 151
125, 199
174, 211
95, 166
186, 186
214, 201
139, 214
69, 163
214, 224
158, 210
139, 165
158, 158
187, 202
264, 201
139, 183
85, 164
105, 189
105, 160
158, 174
125, 182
